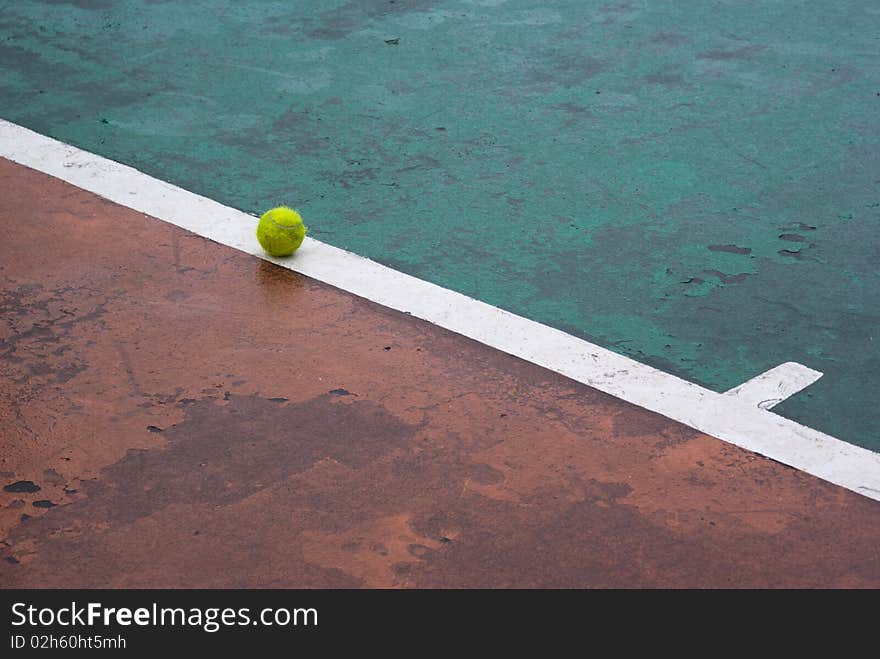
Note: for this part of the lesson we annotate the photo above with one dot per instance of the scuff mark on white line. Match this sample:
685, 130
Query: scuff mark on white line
731, 418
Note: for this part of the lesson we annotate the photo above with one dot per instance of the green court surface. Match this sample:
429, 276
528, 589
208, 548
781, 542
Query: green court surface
694, 184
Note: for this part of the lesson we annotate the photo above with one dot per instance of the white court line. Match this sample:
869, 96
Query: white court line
774, 386
731, 418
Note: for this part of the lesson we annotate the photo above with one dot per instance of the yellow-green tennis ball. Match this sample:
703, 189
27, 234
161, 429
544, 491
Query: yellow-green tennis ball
281, 231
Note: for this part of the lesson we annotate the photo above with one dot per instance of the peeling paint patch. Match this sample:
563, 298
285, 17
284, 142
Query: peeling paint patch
732, 249
22, 487
793, 253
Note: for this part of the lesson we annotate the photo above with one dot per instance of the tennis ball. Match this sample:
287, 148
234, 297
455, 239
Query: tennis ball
281, 231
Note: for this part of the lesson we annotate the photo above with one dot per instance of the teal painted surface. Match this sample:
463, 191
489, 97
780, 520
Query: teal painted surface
588, 165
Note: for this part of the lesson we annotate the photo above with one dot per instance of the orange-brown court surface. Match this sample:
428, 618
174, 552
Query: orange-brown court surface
196, 417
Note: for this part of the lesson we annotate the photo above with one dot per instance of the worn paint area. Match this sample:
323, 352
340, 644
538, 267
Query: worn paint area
692, 185
180, 414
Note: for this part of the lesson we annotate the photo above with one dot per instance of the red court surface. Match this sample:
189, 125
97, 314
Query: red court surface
193, 416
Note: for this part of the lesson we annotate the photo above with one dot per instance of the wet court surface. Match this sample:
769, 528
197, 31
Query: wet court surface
694, 185
180, 414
